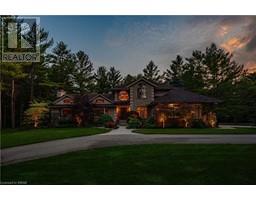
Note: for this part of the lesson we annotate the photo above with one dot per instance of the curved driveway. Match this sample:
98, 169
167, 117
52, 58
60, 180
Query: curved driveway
116, 137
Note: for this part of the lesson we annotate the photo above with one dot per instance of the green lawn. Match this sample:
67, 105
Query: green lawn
142, 164
10, 138
196, 131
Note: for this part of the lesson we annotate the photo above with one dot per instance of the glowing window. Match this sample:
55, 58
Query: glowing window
99, 101
67, 101
123, 96
142, 111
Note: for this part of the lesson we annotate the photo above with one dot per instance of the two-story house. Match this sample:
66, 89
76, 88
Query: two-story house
163, 102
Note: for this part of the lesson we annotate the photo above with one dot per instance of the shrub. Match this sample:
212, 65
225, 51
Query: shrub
110, 124
149, 123
133, 114
134, 123
198, 123
104, 119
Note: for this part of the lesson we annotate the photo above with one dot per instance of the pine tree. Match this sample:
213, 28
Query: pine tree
83, 72
128, 79
151, 72
173, 74
61, 64
36, 69
102, 82
10, 74
219, 67
114, 77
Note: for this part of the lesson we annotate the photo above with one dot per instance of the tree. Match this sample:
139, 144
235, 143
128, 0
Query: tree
128, 79
151, 72
114, 77
61, 64
219, 68
10, 74
83, 72
102, 82
36, 69
36, 113
192, 74
174, 73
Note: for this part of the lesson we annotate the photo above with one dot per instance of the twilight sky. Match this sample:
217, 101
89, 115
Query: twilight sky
130, 42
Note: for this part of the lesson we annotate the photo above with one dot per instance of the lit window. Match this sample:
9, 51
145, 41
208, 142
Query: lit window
99, 101
142, 111
67, 101
123, 96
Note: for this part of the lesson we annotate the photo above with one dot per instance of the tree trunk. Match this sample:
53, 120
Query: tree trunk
0, 106
32, 83
13, 104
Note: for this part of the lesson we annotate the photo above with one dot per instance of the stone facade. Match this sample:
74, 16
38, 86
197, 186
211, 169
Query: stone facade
135, 100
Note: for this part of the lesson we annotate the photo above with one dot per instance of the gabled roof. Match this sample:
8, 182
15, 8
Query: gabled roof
181, 95
142, 79
104, 96
72, 96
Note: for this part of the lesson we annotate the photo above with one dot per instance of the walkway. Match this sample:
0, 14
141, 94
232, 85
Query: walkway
121, 136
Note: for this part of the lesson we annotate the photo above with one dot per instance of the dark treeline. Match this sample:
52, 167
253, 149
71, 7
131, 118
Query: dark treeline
212, 72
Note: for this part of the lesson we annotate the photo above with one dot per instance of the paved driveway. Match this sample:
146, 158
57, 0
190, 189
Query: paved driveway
121, 136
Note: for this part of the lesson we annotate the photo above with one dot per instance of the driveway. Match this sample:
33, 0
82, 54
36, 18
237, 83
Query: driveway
121, 136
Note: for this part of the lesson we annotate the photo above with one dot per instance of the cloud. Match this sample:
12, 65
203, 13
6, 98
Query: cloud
162, 38
234, 43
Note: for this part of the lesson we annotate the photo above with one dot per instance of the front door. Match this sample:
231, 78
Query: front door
123, 113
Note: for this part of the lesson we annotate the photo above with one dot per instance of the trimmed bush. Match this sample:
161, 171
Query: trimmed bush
133, 114
104, 119
134, 123
110, 124
198, 123
149, 123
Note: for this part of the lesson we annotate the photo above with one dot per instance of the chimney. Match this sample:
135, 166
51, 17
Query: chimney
60, 93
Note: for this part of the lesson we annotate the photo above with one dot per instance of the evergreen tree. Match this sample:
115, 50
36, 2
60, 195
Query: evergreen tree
102, 82
114, 77
10, 74
83, 73
128, 79
173, 75
219, 67
61, 64
151, 72
192, 74
37, 71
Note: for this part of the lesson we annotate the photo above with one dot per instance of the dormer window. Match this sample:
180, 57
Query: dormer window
141, 92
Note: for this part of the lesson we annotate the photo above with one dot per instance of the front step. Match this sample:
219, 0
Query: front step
122, 122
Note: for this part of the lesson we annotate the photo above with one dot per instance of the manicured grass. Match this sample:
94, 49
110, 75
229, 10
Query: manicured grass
10, 138
196, 131
142, 164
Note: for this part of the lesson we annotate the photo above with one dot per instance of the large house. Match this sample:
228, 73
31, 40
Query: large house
165, 103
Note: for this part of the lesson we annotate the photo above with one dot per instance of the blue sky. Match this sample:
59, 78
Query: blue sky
130, 42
